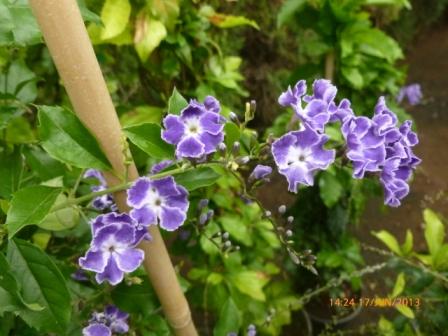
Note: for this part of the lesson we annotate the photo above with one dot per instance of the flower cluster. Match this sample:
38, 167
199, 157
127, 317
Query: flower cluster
112, 320
101, 202
197, 131
161, 201
378, 145
412, 92
375, 145
113, 249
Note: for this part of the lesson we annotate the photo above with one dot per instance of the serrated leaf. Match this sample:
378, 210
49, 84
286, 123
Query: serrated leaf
30, 206
250, 283
66, 139
176, 103
229, 319
41, 282
389, 240
434, 231
148, 138
400, 283
115, 17
197, 178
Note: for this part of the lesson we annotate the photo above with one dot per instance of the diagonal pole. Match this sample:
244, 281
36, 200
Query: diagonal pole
66, 37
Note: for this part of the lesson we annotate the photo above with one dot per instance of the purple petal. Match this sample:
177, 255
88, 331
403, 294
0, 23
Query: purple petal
158, 167
94, 261
212, 104
211, 141
111, 273
171, 218
96, 329
211, 122
174, 129
137, 193
144, 216
190, 147
129, 260
165, 186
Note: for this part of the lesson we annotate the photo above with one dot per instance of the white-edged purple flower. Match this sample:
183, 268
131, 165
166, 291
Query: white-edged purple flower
112, 320
299, 154
101, 202
197, 131
412, 92
319, 107
112, 250
260, 172
160, 201
378, 145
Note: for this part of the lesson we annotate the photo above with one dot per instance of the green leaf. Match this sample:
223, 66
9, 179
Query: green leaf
125, 297
400, 283
62, 219
18, 25
87, 14
434, 231
197, 178
19, 131
42, 164
389, 240
440, 260
229, 319
149, 33
405, 310
288, 10
115, 17
41, 282
176, 103
237, 229
66, 139
250, 283
148, 138
330, 189
353, 76
406, 248
10, 169
166, 11
141, 115
19, 81
231, 21
232, 132
30, 206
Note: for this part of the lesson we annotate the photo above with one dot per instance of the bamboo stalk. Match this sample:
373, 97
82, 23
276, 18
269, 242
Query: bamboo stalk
67, 39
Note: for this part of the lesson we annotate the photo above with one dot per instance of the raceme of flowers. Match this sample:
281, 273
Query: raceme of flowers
112, 320
375, 145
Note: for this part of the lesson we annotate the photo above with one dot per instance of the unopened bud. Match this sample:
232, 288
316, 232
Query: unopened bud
210, 215
290, 219
234, 118
203, 219
228, 243
243, 160
288, 233
225, 235
282, 209
202, 203
267, 213
222, 149
236, 148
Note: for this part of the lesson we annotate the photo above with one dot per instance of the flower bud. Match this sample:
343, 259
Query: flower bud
222, 149
234, 118
210, 215
228, 243
243, 160
282, 209
236, 148
290, 219
225, 235
202, 203
267, 213
203, 219
288, 233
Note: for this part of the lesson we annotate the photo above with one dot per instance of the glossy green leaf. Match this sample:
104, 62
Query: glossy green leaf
66, 139
229, 320
389, 240
30, 206
150, 33
148, 138
198, 178
250, 283
10, 169
434, 231
176, 103
115, 17
41, 282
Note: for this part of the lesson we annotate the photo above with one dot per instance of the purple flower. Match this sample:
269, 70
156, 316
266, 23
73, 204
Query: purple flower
159, 201
80, 275
158, 167
251, 330
112, 251
96, 329
319, 107
112, 320
412, 92
197, 131
101, 202
299, 154
260, 172
379, 145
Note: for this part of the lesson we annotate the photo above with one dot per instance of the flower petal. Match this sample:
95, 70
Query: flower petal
174, 129
96, 329
190, 147
94, 261
129, 260
171, 218
111, 273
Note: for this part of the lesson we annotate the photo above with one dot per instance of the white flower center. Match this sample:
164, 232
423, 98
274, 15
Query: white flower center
192, 127
297, 156
154, 200
112, 246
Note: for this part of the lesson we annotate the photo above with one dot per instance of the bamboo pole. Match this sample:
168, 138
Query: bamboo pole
67, 39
